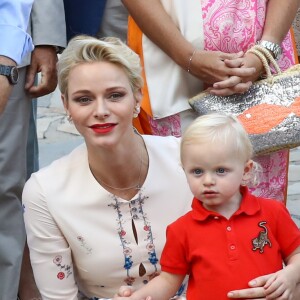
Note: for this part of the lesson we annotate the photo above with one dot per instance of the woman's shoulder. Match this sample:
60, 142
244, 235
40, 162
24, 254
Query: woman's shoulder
67, 163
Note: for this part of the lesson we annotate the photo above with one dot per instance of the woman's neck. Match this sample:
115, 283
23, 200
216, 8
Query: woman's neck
122, 170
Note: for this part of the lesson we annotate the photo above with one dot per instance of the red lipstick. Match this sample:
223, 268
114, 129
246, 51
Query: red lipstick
103, 128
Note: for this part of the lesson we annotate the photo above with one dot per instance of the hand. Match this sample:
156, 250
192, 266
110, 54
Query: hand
43, 59
282, 284
5, 86
125, 291
257, 290
249, 60
242, 79
210, 66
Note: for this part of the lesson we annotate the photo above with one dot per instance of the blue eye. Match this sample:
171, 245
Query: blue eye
221, 170
197, 172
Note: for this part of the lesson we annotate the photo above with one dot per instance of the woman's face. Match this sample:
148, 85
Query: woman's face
101, 102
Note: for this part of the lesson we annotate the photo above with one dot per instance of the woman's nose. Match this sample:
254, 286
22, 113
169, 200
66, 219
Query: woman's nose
101, 109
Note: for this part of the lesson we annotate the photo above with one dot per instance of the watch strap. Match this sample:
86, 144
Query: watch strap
5, 70
274, 48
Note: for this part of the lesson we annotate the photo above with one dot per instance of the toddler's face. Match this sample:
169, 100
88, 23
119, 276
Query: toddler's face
214, 174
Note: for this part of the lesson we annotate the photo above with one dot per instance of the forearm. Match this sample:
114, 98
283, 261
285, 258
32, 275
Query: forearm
162, 31
294, 261
279, 19
5, 86
160, 288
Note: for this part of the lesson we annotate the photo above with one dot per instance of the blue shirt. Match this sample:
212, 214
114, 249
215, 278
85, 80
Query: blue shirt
15, 43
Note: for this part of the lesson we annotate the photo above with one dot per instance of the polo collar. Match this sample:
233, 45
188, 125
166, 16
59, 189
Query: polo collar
249, 206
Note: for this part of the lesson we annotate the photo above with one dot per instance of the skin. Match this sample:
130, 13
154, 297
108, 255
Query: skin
91, 102
257, 290
43, 60
209, 66
282, 16
99, 93
6, 87
215, 175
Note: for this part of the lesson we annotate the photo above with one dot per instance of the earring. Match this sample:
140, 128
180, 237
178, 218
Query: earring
69, 118
137, 110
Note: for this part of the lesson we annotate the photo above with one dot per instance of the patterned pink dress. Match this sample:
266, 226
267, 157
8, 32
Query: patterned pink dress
231, 26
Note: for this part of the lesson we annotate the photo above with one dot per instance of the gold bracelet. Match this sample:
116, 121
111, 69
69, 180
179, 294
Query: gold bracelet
190, 61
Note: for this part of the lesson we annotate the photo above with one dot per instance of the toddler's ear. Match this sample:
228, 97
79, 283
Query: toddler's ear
247, 170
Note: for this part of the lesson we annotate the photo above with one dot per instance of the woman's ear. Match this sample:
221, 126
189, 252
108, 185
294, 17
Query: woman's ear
138, 95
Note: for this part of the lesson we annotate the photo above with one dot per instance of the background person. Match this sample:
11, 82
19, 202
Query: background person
188, 46
13, 25
47, 28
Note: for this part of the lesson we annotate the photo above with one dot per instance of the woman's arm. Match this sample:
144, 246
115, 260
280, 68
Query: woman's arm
279, 19
158, 26
256, 290
283, 283
162, 287
50, 253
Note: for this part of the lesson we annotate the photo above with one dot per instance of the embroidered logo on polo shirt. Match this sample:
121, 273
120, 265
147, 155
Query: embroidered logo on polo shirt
262, 240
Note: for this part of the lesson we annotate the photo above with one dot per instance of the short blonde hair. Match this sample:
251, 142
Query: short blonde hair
221, 128
87, 49
226, 130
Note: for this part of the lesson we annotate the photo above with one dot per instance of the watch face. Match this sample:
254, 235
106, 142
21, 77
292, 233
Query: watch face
14, 75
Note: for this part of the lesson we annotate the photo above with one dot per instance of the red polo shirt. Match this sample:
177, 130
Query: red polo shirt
221, 255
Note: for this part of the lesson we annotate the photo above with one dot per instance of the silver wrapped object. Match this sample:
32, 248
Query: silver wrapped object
269, 110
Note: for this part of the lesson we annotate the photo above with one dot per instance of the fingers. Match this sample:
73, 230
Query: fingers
234, 63
43, 61
227, 83
30, 76
242, 72
46, 86
251, 293
125, 291
276, 294
260, 281
229, 56
227, 90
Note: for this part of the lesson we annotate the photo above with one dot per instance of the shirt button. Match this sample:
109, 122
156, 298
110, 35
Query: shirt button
232, 247
228, 228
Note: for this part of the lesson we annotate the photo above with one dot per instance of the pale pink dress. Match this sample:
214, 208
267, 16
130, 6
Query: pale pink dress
231, 26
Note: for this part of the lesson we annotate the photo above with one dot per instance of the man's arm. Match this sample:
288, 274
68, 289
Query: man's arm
13, 25
49, 35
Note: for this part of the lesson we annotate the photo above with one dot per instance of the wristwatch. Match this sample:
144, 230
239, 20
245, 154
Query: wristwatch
11, 72
275, 49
